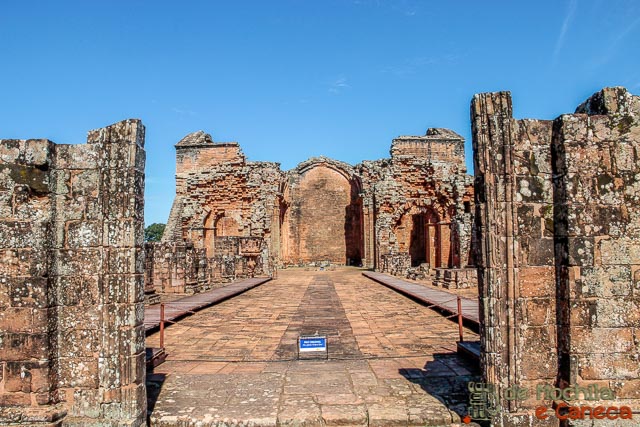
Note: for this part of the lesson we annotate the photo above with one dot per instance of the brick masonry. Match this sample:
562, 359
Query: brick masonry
72, 280
395, 214
558, 221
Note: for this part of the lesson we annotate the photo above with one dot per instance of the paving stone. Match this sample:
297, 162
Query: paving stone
344, 415
378, 382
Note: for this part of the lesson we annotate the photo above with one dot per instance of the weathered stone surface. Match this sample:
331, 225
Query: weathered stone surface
556, 221
66, 231
207, 378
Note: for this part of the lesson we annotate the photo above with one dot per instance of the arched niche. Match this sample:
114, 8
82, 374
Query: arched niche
321, 215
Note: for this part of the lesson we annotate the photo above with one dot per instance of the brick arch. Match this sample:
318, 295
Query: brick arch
321, 214
421, 206
423, 230
342, 168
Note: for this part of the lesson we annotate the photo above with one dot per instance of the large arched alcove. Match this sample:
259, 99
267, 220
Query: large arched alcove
322, 217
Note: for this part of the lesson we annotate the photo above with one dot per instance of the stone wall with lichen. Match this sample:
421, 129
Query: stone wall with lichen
596, 165
557, 222
425, 177
71, 280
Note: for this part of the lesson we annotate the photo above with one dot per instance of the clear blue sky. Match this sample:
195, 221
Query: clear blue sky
294, 79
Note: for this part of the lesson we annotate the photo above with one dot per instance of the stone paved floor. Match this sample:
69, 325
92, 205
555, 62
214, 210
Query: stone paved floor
391, 361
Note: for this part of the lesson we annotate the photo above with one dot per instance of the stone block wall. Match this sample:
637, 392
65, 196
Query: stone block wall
28, 340
596, 163
176, 268
557, 210
71, 281
182, 268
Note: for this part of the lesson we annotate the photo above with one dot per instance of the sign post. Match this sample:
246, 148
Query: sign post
313, 344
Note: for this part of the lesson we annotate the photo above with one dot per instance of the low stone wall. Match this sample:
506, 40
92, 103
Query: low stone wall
175, 268
395, 264
239, 258
456, 278
182, 268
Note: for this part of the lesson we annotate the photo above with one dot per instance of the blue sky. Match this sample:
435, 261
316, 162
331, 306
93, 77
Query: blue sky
294, 79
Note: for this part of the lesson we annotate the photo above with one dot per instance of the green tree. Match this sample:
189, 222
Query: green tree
153, 233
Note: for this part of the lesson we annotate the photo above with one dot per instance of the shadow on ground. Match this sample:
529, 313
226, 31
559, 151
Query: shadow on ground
446, 378
154, 386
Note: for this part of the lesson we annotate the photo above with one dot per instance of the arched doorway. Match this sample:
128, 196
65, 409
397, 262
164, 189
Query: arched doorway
425, 244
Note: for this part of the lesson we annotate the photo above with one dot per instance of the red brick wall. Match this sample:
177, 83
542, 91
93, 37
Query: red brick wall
321, 224
194, 158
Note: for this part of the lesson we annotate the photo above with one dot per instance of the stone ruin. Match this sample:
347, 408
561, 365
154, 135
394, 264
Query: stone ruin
408, 215
558, 250
555, 238
72, 280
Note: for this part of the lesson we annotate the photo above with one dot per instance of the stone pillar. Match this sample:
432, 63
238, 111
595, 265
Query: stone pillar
274, 248
88, 302
369, 233
557, 232
116, 390
433, 252
597, 220
445, 244
515, 252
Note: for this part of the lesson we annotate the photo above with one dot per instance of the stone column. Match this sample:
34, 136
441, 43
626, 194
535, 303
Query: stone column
121, 355
71, 336
515, 252
597, 220
444, 243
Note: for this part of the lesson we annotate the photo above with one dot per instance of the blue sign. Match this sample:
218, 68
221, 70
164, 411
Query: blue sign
314, 343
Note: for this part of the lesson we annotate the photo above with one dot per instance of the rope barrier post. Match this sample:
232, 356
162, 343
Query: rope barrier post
161, 325
460, 318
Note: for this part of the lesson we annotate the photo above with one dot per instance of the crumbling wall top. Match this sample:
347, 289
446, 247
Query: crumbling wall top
340, 167
438, 144
197, 151
195, 138
610, 101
